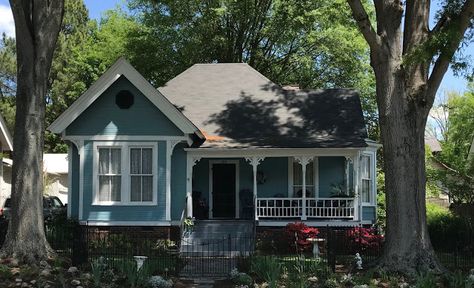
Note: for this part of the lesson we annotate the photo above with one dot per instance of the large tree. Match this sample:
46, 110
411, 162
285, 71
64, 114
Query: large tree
409, 61
37, 25
302, 42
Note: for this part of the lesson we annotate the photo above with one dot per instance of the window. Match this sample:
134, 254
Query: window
141, 174
110, 174
298, 179
366, 175
125, 173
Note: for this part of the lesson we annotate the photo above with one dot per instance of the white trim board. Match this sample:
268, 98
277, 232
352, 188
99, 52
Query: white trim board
272, 152
6, 136
125, 138
125, 223
281, 223
237, 186
122, 68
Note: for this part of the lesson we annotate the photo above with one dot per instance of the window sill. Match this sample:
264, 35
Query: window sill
124, 204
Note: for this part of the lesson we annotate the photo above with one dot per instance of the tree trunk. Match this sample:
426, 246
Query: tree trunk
37, 25
402, 123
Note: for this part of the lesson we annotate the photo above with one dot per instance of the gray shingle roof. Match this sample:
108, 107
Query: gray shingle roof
236, 106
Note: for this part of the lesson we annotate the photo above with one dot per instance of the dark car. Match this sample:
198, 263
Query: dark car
51, 206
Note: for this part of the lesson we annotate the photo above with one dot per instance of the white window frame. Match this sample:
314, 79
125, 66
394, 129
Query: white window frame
315, 162
372, 179
125, 173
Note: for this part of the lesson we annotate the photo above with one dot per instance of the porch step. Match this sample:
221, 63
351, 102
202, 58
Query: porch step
227, 238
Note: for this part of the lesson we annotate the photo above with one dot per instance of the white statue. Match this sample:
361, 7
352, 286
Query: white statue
358, 260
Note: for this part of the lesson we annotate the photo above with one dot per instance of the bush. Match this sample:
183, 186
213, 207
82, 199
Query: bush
159, 282
449, 232
240, 278
365, 239
267, 269
298, 233
273, 242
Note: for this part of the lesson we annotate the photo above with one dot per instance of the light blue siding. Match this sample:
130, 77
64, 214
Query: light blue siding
331, 172
178, 181
104, 117
74, 185
368, 213
124, 213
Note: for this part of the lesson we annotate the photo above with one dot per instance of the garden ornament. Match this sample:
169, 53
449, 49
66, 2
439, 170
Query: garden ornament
140, 260
358, 260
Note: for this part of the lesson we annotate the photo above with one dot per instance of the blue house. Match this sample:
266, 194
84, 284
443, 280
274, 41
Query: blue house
219, 141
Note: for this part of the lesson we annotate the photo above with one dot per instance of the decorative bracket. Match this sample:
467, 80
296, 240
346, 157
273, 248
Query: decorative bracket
304, 160
172, 144
255, 160
195, 160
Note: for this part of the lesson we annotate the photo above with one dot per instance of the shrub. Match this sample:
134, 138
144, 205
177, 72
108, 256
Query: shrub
240, 278
448, 231
267, 269
159, 282
365, 238
298, 233
271, 242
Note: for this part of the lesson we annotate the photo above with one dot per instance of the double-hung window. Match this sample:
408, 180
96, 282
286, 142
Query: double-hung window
125, 173
366, 177
110, 174
141, 174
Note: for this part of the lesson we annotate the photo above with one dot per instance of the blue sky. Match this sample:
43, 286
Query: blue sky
97, 7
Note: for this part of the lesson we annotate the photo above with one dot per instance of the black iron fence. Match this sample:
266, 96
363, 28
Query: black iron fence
216, 255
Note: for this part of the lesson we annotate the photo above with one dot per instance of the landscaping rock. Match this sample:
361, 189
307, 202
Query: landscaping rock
72, 270
404, 285
87, 276
25, 285
75, 282
361, 286
18, 280
43, 264
45, 273
33, 282
14, 262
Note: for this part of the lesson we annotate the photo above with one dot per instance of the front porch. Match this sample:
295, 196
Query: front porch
266, 185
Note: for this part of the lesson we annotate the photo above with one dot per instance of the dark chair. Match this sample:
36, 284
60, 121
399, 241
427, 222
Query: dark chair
246, 204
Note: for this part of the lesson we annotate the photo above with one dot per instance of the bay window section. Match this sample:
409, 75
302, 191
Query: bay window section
366, 175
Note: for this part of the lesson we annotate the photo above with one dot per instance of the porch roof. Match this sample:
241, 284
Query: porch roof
235, 106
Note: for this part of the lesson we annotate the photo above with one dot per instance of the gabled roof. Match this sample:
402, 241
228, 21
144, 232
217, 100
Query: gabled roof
122, 68
236, 106
5, 137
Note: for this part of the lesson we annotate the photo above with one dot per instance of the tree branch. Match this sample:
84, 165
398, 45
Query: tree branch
459, 25
365, 26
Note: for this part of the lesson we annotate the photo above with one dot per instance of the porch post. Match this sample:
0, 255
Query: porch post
303, 160
254, 161
191, 161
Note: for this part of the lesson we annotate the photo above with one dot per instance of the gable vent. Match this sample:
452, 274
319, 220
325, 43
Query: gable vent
124, 99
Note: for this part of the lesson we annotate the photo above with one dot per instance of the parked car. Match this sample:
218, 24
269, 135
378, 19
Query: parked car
51, 206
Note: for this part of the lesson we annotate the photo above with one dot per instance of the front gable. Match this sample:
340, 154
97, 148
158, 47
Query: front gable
105, 117
121, 75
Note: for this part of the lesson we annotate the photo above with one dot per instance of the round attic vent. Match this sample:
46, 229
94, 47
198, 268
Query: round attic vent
124, 99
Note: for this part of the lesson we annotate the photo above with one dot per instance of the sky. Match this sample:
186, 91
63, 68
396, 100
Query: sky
97, 7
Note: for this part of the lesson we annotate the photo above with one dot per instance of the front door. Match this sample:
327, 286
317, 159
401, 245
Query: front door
223, 190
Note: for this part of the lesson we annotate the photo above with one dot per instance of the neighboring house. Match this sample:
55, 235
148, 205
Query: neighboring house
55, 179
435, 148
214, 142
55, 166
471, 152
6, 147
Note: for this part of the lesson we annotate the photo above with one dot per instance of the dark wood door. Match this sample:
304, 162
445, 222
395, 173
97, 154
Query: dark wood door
223, 190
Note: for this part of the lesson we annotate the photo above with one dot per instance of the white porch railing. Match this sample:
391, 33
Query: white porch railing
327, 208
